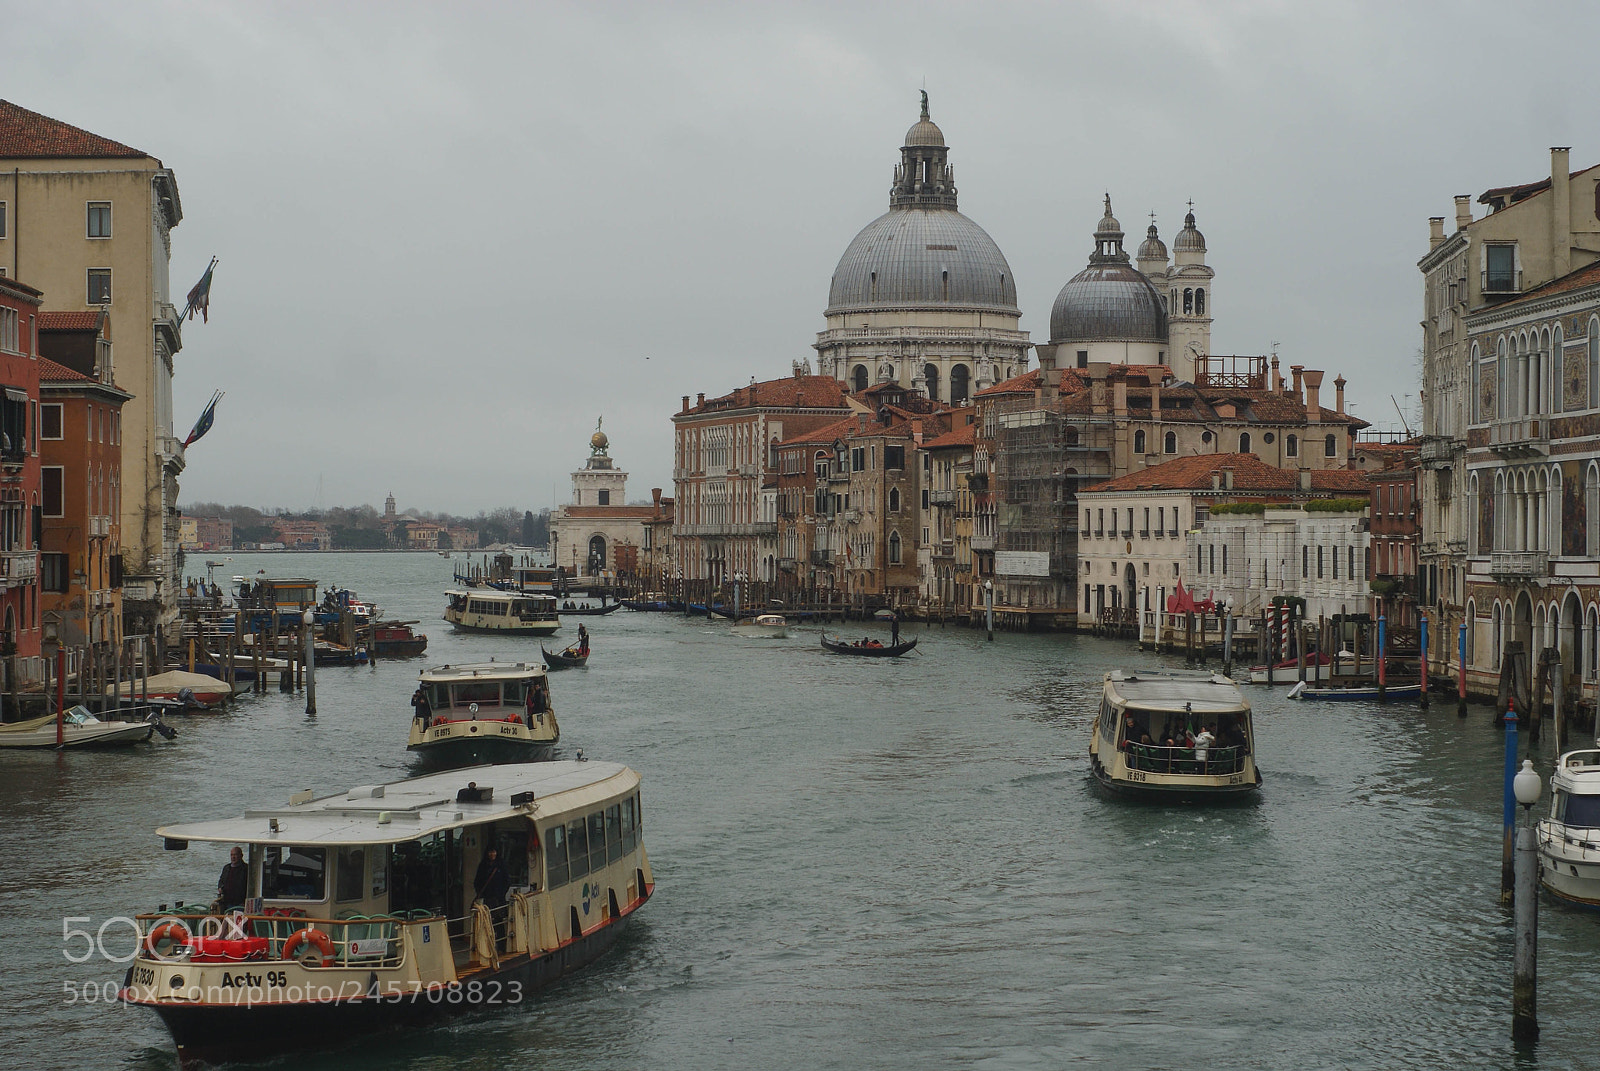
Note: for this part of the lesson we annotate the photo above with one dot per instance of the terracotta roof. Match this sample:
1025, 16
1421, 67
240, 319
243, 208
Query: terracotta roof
798, 392
1505, 196
54, 372
826, 434
1253, 406
30, 294
618, 512
1574, 280
29, 134
1028, 382
70, 321
1250, 475
966, 435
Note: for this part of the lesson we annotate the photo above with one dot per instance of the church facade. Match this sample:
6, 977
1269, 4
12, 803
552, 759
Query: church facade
598, 533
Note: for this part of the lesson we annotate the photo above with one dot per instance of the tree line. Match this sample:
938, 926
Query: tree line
364, 528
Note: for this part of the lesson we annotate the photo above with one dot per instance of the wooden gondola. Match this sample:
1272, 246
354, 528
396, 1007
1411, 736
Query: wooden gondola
564, 659
887, 651
589, 611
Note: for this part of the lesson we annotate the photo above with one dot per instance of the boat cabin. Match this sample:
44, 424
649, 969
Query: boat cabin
485, 691
1168, 733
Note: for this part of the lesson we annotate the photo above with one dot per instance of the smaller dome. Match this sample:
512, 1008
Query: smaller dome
924, 131
599, 441
1152, 248
1108, 223
1189, 240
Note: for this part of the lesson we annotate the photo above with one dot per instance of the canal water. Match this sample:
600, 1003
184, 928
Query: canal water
863, 864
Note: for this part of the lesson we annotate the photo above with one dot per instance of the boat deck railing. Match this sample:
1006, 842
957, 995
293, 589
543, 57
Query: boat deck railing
1553, 835
356, 941
1218, 761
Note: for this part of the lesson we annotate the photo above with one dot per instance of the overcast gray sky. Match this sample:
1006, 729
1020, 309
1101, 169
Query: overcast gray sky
451, 234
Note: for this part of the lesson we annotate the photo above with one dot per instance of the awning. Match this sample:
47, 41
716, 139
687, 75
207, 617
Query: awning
15, 395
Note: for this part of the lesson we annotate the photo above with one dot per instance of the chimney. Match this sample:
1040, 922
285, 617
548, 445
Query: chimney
1338, 395
700, 399
1299, 394
1119, 398
1435, 231
1155, 400
655, 498
1313, 405
1227, 479
1560, 209
1463, 210
1216, 481
1277, 377
1305, 479
685, 408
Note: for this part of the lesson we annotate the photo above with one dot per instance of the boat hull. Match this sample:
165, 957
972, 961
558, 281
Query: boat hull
1171, 793
893, 651
402, 648
537, 628
480, 751
1347, 695
209, 1034
106, 734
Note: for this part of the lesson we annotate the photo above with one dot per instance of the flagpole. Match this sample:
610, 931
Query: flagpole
188, 308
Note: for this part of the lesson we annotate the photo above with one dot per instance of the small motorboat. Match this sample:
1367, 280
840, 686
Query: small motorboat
868, 648
1569, 840
567, 659
1355, 692
770, 626
79, 728
194, 690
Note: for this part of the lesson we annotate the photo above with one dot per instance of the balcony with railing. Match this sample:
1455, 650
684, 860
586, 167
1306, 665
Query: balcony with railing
1439, 451
1500, 283
1514, 565
1522, 437
942, 498
982, 542
945, 549
822, 557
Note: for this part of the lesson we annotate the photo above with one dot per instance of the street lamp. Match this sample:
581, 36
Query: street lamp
309, 618
1525, 919
988, 607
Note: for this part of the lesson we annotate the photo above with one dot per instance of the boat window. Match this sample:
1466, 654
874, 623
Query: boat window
555, 855
597, 840
477, 692
351, 876
380, 871
512, 692
614, 832
578, 847
438, 695
419, 875
1581, 811
628, 837
294, 873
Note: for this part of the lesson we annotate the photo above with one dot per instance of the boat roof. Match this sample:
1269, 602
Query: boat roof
480, 670
1578, 772
1203, 693
496, 593
419, 806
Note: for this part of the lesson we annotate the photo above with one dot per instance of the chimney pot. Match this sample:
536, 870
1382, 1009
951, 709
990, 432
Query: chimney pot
1435, 231
1338, 395
1227, 479
1298, 370
1216, 481
685, 408
1463, 210
1313, 380
700, 399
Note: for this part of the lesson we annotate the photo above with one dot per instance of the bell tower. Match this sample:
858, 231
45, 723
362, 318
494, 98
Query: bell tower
599, 482
1189, 301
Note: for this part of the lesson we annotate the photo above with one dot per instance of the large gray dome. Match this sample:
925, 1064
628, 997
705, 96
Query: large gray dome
914, 256
1108, 303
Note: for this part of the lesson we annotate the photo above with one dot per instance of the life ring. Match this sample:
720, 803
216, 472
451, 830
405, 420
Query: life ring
312, 936
174, 931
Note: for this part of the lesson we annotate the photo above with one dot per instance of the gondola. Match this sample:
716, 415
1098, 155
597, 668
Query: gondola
893, 651
564, 659
589, 611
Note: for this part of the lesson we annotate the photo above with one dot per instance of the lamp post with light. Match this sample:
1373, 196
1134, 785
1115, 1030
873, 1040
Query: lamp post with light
1525, 915
309, 618
988, 608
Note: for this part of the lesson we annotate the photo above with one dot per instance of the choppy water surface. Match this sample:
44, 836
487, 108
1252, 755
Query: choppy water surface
867, 864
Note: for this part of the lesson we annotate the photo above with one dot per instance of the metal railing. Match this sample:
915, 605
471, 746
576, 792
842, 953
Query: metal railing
1218, 761
1520, 564
357, 941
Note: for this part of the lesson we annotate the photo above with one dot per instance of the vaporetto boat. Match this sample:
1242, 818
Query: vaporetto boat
484, 712
1173, 735
360, 915
489, 610
1569, 840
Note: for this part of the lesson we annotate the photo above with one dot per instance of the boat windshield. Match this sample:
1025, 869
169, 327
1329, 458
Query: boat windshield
1580, 811
465, 693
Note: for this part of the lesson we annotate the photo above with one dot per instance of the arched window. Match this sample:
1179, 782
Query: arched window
1244, 442
1330, 447
1069, 435
1594, 364
1188, 301
1138, 442
1591, 508
1170, 443
944, 277
1472, 631
894, 548
1494, 637
959, 376
1501, 378
1291, 446
874, 286
1200, 302
930, 376
894, 500
1558, 371
861, 377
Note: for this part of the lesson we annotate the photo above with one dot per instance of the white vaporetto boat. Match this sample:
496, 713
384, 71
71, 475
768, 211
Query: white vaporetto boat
768, 626
1569, 840
491, 610
359, 913
485, 712
1173, 735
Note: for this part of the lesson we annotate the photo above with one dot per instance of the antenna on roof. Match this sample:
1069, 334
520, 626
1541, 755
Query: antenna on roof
1403, 422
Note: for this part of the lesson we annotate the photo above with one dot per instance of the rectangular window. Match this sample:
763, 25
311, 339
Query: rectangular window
858, 459
1144, 532
614, 832
894, 457
597, 841
628, 839
555, 856
604, 497
99, 219
1224, 559
926, 501
350, 879
99, 286
50, 490
53, 572
1175, 523
1305, 562
5, 220
294, 873
1500, 268
578, 847
1319, 561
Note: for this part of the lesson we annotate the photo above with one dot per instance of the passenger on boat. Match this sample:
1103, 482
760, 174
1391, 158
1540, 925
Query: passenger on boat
422, 708
1202, 742
538, 703
234, 882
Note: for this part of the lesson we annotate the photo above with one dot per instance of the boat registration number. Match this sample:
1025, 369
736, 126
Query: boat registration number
1236, 779
1136, 775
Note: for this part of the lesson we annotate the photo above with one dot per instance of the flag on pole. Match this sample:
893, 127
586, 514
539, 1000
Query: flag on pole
203, 425
200, 296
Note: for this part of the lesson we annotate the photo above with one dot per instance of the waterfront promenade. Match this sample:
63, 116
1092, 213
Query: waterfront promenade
869, 864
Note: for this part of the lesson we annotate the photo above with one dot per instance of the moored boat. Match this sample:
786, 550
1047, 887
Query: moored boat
396, 639
1569, 840
185, 690
1350, 693
492, 610
869, 648
357, 910
1288, 670
485, 712
78, 728
768, 626
1175, 736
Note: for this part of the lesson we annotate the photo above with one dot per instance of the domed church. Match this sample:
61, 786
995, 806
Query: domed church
923, 297
1115, 312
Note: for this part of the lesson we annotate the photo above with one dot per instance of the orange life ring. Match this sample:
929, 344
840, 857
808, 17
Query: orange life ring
312, 936
174, 931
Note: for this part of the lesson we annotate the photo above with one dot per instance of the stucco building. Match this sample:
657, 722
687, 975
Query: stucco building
598, 533
25, 497
88, 220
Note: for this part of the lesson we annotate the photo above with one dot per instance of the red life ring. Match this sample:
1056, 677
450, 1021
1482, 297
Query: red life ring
312, 936
174, 931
